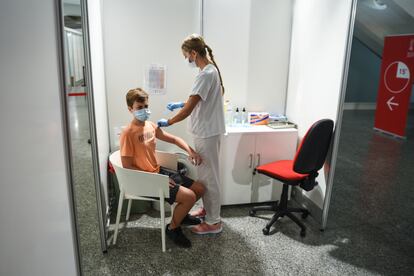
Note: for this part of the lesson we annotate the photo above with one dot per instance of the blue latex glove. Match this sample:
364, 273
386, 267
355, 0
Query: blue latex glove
172, 106
162, 123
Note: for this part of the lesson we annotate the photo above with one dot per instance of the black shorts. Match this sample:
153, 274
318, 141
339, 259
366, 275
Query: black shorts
180, 180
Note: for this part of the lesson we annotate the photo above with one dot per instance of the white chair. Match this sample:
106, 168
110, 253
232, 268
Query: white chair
135, 184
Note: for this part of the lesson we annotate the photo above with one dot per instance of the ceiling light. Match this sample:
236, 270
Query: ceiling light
378, 5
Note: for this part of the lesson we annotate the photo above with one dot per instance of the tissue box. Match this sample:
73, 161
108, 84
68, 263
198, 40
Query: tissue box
258, 118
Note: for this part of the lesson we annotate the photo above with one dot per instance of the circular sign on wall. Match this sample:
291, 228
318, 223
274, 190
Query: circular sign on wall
397, 77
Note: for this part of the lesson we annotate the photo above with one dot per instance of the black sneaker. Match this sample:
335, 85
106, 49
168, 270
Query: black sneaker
190, 220
177, 236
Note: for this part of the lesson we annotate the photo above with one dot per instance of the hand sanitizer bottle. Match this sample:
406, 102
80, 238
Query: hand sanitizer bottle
236, 118
244, 117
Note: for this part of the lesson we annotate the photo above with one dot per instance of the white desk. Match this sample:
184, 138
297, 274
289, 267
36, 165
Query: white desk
243, 149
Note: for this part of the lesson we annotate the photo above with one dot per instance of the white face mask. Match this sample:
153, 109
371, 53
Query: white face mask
191, 64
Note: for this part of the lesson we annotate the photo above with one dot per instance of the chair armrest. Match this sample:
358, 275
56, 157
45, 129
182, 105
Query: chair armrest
167, 159
140, 183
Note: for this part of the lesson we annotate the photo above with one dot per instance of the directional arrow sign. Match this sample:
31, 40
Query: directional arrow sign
390, 103
394, 88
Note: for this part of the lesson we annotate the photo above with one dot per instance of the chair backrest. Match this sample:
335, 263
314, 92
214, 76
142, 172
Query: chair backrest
314, 147
138, 183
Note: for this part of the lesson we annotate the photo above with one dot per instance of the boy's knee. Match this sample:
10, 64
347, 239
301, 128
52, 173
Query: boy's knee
192, 197
186, 196
201, 189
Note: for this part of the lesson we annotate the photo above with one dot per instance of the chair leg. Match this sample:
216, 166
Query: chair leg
128, 210
284, 197
281, 209
278, 205
298, 222
118, 215
272, 207
275, 217
162, 214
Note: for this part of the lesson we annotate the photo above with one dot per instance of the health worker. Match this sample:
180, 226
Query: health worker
206, 124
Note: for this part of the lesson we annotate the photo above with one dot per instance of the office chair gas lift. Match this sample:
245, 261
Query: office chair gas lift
302, 171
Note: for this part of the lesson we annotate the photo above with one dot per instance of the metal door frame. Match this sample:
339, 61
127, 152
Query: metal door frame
100, 202
335, 144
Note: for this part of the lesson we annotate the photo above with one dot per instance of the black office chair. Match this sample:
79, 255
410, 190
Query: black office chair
301, 171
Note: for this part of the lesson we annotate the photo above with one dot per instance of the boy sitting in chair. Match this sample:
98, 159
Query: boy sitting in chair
138, 144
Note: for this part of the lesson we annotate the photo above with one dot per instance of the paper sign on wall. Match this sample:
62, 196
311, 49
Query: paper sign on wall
155, 79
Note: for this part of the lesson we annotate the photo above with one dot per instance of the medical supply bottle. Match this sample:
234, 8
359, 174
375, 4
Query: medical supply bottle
228, 113
244, 117
236, 118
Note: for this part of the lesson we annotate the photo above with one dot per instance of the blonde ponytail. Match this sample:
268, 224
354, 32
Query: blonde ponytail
210, 53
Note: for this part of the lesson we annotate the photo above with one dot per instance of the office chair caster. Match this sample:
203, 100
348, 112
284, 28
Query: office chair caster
266, 231
303, 233
252, 213
305, 214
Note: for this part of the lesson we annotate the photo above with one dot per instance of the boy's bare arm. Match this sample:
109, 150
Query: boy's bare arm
169, 138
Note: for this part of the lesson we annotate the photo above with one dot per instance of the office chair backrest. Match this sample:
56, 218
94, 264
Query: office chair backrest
312, 152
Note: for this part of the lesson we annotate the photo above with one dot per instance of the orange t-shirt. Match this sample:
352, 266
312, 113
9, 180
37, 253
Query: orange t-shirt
139, 142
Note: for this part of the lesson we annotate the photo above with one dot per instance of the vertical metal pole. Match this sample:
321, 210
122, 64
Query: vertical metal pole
66, 134
338, 123
94, 141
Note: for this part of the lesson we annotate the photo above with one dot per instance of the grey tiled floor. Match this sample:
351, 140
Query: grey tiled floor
369, 228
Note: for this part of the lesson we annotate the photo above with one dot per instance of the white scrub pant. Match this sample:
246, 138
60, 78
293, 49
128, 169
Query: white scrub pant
209, 175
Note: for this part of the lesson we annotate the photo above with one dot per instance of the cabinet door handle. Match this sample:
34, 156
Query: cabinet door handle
251, 160
258, 159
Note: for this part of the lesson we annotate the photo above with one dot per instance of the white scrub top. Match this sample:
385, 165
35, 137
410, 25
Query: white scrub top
207, 118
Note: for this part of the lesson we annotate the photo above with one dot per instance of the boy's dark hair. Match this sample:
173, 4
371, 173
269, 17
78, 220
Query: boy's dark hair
136, 95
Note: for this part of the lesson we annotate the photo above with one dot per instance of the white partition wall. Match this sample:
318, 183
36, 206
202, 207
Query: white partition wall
99, 110
319, 44
138, 33
36, 224
252, 50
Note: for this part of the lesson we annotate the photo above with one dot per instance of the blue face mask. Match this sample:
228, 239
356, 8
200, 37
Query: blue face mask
142, 114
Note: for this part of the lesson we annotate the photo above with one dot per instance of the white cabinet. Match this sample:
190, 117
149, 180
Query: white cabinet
242, 150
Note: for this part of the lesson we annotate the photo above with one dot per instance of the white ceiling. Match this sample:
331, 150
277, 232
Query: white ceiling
372, 25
